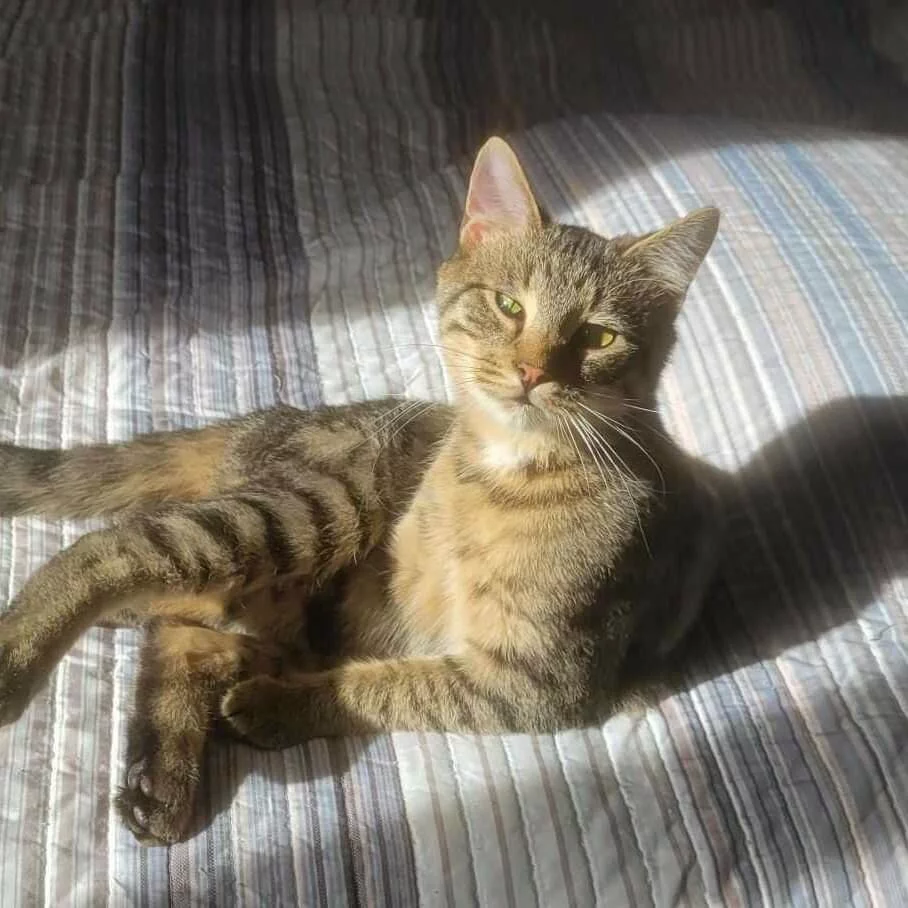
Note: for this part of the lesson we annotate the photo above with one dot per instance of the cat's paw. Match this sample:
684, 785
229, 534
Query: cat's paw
255, 711
154, 806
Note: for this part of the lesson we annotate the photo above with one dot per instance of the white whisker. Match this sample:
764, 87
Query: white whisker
617, 427
452, 350
580, 460
649, 428
386, 420
607, 450
420, 407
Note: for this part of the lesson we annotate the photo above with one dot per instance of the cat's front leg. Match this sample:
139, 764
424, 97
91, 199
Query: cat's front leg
472, 693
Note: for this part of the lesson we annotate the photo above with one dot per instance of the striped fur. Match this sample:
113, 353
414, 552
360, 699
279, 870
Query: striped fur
515, 590
288, 501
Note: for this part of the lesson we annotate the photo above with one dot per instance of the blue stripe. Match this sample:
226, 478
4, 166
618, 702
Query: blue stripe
814, 278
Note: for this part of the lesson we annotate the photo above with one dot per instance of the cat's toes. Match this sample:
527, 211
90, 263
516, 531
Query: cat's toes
156, 810
254, 711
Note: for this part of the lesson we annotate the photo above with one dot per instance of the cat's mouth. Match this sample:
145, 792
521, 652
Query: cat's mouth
514, 410
553, 401
530, 405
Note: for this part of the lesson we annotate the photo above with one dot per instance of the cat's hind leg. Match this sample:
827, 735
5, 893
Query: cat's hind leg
184, 671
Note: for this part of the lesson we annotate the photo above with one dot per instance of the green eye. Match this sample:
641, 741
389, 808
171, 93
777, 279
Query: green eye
595, 337
509, 307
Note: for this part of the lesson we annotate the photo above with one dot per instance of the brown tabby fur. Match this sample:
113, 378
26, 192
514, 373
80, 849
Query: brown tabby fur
488, 567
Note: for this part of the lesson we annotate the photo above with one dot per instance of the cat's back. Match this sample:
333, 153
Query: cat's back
387, 437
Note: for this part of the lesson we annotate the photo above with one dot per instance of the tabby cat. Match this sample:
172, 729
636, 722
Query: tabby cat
494, 566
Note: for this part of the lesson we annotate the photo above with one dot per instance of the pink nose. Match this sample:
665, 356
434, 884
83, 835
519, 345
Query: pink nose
530, 375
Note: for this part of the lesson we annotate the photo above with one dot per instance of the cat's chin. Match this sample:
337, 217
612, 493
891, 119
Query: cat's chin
516, 414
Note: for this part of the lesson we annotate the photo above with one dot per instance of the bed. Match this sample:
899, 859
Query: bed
212, 207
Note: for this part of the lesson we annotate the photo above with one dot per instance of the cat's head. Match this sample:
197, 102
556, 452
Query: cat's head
539, 319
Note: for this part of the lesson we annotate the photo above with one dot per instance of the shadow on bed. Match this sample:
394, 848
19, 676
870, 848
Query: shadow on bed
229, 762
818, 528
515, 64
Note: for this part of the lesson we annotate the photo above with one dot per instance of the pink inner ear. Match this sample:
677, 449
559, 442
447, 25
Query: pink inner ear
473, 231
499, 197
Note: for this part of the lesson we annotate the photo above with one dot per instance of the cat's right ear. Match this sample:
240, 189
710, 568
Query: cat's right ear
499, 197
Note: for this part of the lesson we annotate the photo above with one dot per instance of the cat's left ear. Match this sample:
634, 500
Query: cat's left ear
499, 197
673, 255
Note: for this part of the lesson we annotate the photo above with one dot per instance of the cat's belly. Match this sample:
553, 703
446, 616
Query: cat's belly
424, 612
370, 627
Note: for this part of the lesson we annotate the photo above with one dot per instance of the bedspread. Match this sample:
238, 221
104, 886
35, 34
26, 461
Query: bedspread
211, 207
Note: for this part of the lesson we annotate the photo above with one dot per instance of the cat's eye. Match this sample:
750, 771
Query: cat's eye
595, 337
510, 307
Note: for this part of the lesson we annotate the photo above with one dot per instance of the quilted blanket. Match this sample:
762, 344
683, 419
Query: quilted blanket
212, 206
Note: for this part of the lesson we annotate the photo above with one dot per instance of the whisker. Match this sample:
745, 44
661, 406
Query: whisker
454, 351
620, 401
650, 428
386, 420
627, 472
621, 431
590, 449
596, 447
580, 460
391, 427
389, 421
420, 408
408, 382
607, 450
420, 411
617, 427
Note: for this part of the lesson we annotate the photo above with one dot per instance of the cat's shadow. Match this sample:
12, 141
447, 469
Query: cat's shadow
229, 763
818, 529
818, 526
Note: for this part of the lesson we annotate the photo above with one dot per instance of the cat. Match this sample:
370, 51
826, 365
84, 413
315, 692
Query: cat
496, 565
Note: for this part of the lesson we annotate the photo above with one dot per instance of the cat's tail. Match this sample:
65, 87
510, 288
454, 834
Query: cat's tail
97, 480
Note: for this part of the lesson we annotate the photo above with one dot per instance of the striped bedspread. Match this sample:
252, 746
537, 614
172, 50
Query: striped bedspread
210, 207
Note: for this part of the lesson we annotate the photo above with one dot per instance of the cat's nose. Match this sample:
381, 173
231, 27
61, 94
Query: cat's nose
530, 375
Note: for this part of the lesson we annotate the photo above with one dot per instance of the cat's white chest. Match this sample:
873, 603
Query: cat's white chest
504, 456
